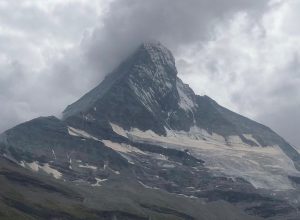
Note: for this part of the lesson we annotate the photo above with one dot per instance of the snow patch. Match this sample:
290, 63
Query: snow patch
22, 164
33, 166
99, 181
234, 140
121, 147
160, 157
70, 164
251, 138
118, 130
147, 187
80, 133
185, 102
54, 155
115, 171
169, 166
87, 166
45, 168
129, 160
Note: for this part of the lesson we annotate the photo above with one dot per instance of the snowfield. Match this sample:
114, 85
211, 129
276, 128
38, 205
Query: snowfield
80, 133
264, 167
36, 167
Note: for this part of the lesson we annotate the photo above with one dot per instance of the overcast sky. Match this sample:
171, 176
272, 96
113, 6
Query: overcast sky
242, 53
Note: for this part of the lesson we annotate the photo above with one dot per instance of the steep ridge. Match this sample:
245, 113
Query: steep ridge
143, 126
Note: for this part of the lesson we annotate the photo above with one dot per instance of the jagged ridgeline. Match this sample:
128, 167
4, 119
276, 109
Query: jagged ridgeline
143, 145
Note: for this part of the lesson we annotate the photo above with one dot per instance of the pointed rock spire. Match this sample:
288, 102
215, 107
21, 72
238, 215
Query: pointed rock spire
159, 54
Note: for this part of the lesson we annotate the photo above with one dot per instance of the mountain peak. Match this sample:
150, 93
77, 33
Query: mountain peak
159, 54
149, 70
153, 56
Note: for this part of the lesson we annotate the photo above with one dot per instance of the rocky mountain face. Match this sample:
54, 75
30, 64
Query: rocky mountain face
143, 145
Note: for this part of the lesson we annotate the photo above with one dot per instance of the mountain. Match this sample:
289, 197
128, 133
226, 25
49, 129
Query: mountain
143, 145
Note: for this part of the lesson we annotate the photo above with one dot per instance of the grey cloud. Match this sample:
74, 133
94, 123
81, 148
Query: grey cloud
39, 74
284, 114
285, 121
253, 67
176, 23
74, 49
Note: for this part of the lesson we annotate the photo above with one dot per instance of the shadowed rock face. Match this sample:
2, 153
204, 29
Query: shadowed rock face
143, 128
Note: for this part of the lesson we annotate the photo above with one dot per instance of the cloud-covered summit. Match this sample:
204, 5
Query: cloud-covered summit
242, 53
